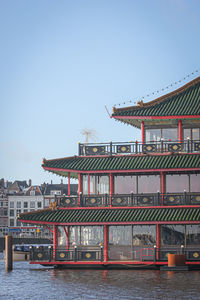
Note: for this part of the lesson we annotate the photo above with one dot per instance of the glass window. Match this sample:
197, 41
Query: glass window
99, 185
172, 235
120, 235
18, 204
74, 233
191, 133
148, 184
170, 134
5, 212
11, 222
153, 135
195, 183
39, 204
120, 242
12, 212
62, 238
32, 204
25, 210
176, 183
92, 235
125, 184
85, 184
192, 235
195, 133
144, 235
25, 204
11, 204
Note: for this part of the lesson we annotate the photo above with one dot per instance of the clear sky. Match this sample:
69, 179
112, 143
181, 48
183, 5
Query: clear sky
62, 61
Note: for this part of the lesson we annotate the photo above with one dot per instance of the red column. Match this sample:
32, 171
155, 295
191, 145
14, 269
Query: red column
158, 240
88, 184
54, 241
79, 187
142, 132
180, 138
111, 191
162, 186
68, 183
105, 242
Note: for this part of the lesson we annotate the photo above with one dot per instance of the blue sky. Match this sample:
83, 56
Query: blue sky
61, 62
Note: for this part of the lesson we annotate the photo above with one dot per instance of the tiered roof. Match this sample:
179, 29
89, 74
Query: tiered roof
125, 215
121, 163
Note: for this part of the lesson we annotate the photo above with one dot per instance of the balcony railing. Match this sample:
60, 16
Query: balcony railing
187, 146
129, 200
78, 253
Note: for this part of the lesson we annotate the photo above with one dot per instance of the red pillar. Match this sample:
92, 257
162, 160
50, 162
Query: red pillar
105, 242
142, 132
111, 190
180, 138
54, 241
68, 183
162, 186
158, 240
79, 187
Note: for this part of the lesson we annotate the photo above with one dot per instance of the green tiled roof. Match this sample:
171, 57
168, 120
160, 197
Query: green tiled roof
113, 215
184, 101
137, 162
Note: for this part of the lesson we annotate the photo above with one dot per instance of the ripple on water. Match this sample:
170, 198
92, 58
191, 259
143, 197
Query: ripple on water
36, 282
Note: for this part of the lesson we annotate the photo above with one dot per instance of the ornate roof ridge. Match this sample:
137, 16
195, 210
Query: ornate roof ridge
161, 98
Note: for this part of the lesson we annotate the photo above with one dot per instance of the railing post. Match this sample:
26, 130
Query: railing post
111, 148
106, 199
131, 198
79, 148
155, 253
158, 198
75, 253
188, 145
136, 147
101, 253
185, 197
162, 145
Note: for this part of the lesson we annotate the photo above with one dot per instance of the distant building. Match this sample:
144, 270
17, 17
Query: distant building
17, 187
53, 190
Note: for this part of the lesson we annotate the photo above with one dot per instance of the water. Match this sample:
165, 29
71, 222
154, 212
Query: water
36, 282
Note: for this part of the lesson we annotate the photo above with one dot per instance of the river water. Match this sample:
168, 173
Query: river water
27, 281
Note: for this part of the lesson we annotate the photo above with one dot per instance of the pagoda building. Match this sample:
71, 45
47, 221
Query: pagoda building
137, 201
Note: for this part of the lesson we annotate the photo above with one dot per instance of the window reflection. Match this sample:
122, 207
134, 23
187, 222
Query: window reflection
172, 235
168, 134
144, 235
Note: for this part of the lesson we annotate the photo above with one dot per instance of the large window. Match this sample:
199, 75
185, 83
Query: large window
125, 184
168, 134
85, 235
191, 133
192, 235
195, 183
177, 183
148, 184
144, 235
98, 184
172, 235
177, 235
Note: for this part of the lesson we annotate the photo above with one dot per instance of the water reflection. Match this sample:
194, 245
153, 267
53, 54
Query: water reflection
37, 282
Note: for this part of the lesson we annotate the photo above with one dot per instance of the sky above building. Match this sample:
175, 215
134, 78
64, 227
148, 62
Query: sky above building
62, 61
